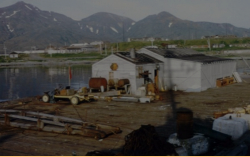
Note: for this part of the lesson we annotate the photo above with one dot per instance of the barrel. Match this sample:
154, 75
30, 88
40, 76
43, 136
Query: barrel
96, 83
122, 82
184, 124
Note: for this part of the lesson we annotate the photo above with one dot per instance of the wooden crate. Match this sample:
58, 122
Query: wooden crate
225, 82
221, 82
231, 80
63, 92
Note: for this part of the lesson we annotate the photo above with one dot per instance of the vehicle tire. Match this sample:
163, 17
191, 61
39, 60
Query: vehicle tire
74, 100
45, 98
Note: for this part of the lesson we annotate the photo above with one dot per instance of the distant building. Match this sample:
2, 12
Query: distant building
151, 47
146, 39
171, 46
96, 43
240, 45
218, 45
199, 46
218, 36
13, 55
75, 48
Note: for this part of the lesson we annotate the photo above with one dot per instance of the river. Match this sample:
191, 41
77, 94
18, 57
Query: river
20, 82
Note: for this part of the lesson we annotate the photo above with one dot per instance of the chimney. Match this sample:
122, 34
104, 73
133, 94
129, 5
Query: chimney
132, 53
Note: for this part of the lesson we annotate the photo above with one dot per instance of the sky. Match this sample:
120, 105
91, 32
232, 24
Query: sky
235, 12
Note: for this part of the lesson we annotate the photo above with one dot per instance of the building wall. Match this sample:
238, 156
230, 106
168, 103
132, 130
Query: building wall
213, 71
185, 75
126, 70
13, 55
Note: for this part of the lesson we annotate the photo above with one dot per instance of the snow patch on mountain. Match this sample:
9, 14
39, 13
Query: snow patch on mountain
28, 7
54, 19
97, 31
170, 24
11, 30
91, 29
14, 12
44, 16
132, 23
120, 24
114, 29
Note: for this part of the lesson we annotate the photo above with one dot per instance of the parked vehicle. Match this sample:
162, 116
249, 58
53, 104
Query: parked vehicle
65, 93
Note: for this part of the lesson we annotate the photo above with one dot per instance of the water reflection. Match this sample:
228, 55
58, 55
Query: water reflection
22, 82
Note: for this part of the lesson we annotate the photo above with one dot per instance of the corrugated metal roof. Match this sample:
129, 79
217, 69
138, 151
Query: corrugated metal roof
186, 54
140, 58
204, 59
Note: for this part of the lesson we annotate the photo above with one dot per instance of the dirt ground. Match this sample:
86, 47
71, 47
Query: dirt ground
128, 116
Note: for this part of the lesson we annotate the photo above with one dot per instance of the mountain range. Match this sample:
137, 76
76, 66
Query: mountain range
23, 26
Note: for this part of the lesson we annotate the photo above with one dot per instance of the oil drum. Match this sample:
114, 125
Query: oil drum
96, 83
184, 121
122, 82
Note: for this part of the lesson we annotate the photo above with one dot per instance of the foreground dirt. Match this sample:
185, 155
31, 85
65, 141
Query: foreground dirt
127, 116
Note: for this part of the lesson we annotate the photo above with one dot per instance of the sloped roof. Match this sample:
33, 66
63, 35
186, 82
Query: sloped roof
140, 58
186, 54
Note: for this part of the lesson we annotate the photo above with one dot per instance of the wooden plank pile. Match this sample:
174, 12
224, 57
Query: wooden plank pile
58, 124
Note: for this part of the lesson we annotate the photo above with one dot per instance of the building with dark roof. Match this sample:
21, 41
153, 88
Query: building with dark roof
138, 68
190, 70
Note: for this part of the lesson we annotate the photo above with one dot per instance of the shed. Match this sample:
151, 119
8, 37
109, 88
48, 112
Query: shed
13, 55
137, 68
190, 70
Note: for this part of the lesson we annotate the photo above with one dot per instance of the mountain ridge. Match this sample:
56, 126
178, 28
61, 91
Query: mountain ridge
24, 25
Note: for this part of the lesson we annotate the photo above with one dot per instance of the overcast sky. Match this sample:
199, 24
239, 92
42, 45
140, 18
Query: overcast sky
235, 12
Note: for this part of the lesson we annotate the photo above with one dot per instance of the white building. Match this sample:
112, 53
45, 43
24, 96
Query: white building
190, 70
186, 69
138, 68
13, 55
96, 43
81, 47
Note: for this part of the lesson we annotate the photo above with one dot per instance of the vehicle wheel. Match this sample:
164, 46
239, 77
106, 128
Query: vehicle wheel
45, 98
74, 100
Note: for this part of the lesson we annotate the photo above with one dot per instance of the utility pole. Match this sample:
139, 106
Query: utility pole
4, 50
152, 41
208, 42
105, 49
117, 48
100, 48
122, 30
